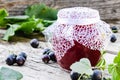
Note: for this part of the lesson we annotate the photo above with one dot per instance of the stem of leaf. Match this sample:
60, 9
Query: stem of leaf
80, 76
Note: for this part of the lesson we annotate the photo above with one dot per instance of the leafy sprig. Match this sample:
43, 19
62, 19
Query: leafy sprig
84, 67
114, 68
41, 11
37, 17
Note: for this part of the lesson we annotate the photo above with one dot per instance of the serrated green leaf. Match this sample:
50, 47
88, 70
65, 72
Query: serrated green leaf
9, 74
41, 11
83, 66
3, 13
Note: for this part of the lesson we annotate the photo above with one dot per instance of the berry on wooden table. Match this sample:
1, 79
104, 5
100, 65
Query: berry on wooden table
23, 54
52, 56
11, 59
20, 60
114, 29
45, 58
34, 43
113, 38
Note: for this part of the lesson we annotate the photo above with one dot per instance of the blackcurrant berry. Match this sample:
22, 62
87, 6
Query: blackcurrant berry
11, 59
46, 51
45, 58
52, 56
23, 54
34, 43
114, 29
113, 38
97, 75
20, 60
74, 75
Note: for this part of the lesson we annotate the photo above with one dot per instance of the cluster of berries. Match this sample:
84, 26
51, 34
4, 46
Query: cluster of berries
48, 55
114, 29
19, 59
97, 75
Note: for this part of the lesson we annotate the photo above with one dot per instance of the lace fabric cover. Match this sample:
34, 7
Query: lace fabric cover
79, 24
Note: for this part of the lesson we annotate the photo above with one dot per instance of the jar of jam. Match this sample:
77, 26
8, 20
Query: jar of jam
78, 33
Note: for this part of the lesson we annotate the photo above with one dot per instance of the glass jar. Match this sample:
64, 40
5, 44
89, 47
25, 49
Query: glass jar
78, 33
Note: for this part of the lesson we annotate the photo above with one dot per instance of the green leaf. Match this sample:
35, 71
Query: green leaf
83, 66
117, 59
3, 13
28, 27
11, 31
41, 11
9, 74
114, 70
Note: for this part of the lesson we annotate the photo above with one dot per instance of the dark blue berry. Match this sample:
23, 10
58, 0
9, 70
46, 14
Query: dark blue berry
11, 59
23, 54
34, 43
45, 58
97, 75
113, 38
114, 29
74, 75
52, 56
46, 51
20, 60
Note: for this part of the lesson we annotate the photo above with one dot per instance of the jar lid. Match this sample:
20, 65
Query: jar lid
78, 15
